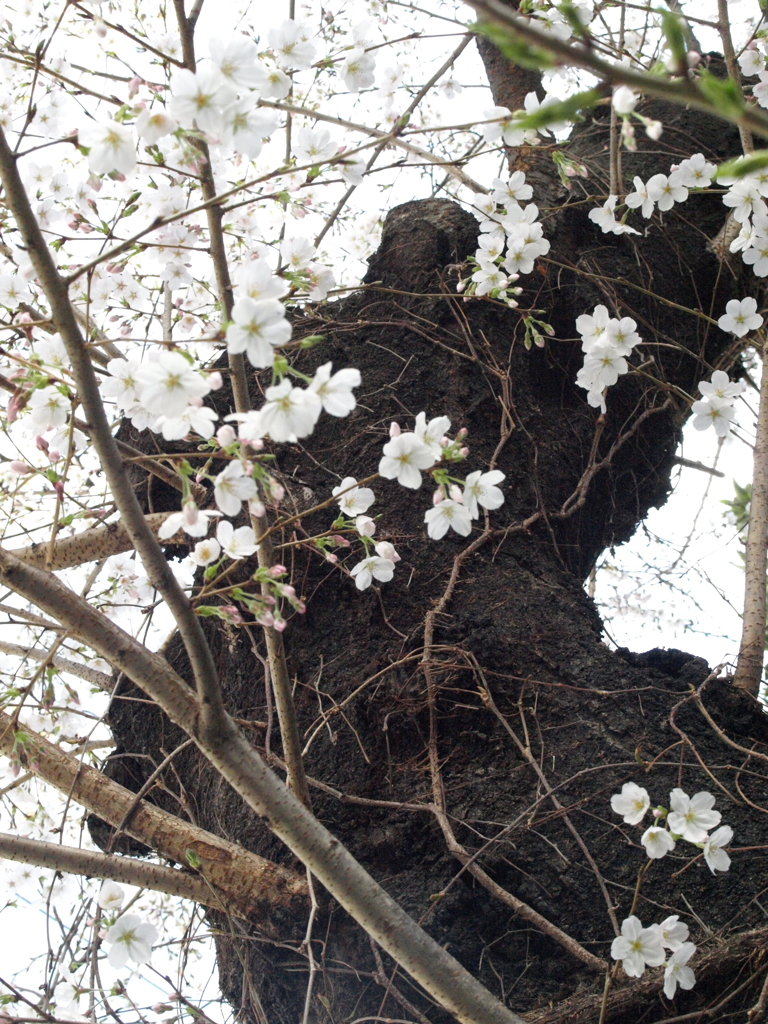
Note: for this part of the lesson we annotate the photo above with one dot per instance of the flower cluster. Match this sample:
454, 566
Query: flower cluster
639, 947
689, 818
716, 408
752, 62
406, 456
606, 342
514, 228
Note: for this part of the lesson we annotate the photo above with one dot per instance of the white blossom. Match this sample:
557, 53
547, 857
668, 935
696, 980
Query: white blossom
335, 392
240, 543
357, 70
372, 568
713, 412
293, 52
205, 551
153, 124
676, 973
714, 854
131, 939
448, 513
631, 803
199, 98
657, 842
637, 947
232, 487
357, 500
740, 317
257, 329
674, 932
692, 817
48, 408
404, 456
111, 146
111, 896
168, 383
480, 489
289, 413
313, 147
238, 62
191, 519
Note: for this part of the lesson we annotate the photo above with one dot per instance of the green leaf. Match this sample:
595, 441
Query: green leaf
192, 859
741, 166
564, 110
722, 93
514, 49
673, 32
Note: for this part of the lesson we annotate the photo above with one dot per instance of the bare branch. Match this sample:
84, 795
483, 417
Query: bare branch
234, 877
74, 668
100, 865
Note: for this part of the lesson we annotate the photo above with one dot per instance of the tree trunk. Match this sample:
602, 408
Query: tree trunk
478, 678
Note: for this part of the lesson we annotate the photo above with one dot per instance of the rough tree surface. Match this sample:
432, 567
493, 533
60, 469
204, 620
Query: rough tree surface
517, 625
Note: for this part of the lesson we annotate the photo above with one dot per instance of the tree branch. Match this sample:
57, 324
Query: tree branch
100, 865
158, 570
442, 976
253, 885
74, 668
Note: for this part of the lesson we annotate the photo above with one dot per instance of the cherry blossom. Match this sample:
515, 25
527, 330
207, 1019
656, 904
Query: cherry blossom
692, 817
243, 126
740, 317
232, 487
357, 70
289, 412
657, 842
448, 513
605, 218
293, 52
695, 171
431, 434
480, 489
624, 99
256, 280
714, 854
168, 383
191, 519
674, 932
131, 939
199, 98
637, 947
404, 456
236, 544
313, 147
257, 329
152, 125
640, 198
631, 803
111, 896
677, 973
335, 391
48, 408
713, 412
386, 550
238, 62
356, 500
205, 551
111, 147
372, 568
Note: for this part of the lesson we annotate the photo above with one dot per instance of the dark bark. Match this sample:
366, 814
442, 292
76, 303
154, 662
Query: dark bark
518, 624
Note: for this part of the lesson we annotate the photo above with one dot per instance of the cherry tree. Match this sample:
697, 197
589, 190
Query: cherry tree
338, 345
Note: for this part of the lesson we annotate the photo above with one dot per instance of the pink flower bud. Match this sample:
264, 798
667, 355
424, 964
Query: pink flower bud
444, 441
462, 434
226, 436
256, 509
279, 625
231, 614
301, 607
455, 492
461, 286
215, 380
20, 467
134, 85
277, 570
53, 456
341, 542
59, 488
247, 467
99, 28
256, 443
289, 591
190, 512
265, 619
195, 400
464, 452
330, 557
438, 496
41, 443
394, 429
277, 491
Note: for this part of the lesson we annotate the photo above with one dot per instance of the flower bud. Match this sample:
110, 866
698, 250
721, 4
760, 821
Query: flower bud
41, 443
134, 85
330, 557
438, 496
455, 492
266, 619
464, 452
215, 380
277, 570
365, 526
394, 429
462, 434
256, 508
20, 467
226, 436
289, 591
279, 625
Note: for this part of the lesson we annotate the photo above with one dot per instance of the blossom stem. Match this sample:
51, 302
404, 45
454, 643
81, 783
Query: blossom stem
749, 668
